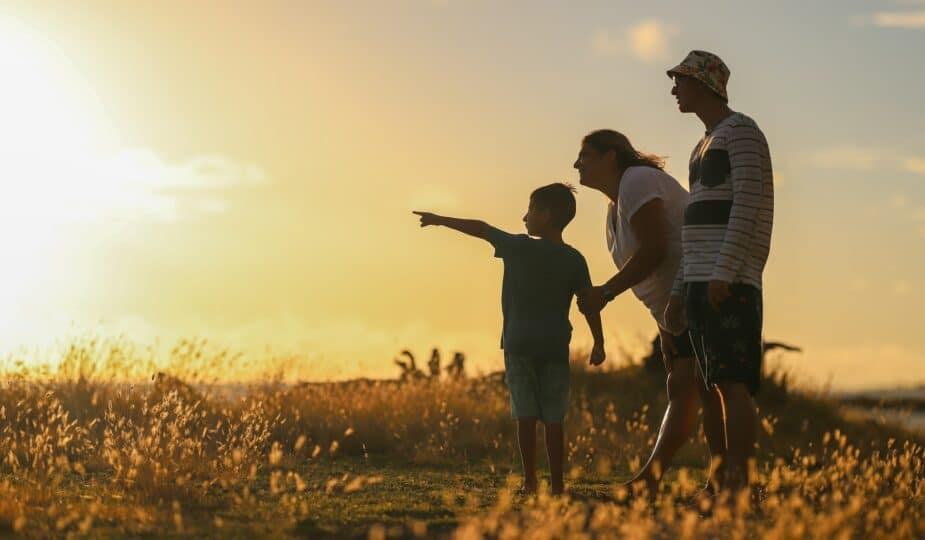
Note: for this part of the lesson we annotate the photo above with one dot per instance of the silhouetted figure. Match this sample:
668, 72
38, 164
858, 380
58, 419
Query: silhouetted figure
457, 368
643, 232
718, 291
434, 364
541, 275
409, 369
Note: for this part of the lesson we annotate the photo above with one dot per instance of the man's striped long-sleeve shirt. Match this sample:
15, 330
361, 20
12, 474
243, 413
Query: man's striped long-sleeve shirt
727, 224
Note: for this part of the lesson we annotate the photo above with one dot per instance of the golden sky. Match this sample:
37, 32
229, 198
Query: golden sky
246, 171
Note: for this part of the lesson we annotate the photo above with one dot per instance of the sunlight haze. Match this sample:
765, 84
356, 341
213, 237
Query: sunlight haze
246, 171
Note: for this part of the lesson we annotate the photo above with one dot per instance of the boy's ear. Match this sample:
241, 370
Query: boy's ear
547, 215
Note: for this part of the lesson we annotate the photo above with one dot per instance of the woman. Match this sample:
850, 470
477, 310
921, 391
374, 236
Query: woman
644, 221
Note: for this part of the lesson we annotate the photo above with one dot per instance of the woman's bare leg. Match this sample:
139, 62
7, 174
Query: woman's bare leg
715, 431
677, 423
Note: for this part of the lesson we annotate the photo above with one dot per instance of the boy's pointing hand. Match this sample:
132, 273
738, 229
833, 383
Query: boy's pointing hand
427, 218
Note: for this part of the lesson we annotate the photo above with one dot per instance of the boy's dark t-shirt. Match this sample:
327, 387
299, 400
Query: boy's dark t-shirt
540, 279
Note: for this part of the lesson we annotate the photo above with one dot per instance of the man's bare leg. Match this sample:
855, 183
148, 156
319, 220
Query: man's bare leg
741, 434
526, 440
555, 443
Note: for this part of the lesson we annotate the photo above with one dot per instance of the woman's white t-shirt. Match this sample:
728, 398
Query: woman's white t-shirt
638, 186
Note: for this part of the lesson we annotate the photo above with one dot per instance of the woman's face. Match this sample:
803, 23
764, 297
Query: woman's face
593, 166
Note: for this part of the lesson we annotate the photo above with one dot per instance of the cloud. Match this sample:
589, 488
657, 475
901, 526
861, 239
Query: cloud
131, 184
865, 158
899, 19
169, 191
914, 165
898, 209
901, 288
853, 158
910, 17
648, 41
918, 218
144, 167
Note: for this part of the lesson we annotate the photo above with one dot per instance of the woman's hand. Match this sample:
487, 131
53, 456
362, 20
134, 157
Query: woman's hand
592, 299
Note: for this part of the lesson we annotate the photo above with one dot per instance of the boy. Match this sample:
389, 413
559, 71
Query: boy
541, 275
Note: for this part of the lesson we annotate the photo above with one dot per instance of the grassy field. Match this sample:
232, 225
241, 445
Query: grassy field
84, 453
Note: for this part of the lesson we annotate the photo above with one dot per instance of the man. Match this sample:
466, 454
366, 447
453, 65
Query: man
725, 242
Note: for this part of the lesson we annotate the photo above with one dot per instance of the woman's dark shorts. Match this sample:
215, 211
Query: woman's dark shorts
727, 341
682, 345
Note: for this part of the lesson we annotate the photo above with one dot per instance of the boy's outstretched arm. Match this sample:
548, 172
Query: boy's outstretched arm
594, 323
472, 227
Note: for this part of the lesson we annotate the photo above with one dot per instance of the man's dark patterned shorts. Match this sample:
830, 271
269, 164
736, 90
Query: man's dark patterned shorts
727, 341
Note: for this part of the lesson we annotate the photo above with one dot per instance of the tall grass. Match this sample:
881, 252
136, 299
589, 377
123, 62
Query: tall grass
82, 449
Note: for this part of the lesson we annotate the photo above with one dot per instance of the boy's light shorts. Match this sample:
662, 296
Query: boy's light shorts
539, 387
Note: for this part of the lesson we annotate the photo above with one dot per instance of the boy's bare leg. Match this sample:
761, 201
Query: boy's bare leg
526, 440
741, 433
677, 424
555, 446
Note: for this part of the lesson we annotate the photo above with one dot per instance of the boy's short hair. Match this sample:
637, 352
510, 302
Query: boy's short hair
559, 199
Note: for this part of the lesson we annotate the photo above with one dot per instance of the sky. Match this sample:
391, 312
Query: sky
246, 171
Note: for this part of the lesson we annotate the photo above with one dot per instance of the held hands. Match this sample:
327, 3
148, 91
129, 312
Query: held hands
591, 300
597, 354
427, 218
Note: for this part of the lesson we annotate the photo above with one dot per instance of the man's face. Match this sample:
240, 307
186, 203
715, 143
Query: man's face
593, 167
686, 91
536, 220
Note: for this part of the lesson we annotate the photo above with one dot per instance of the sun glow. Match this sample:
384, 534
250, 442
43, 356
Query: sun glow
51, 129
